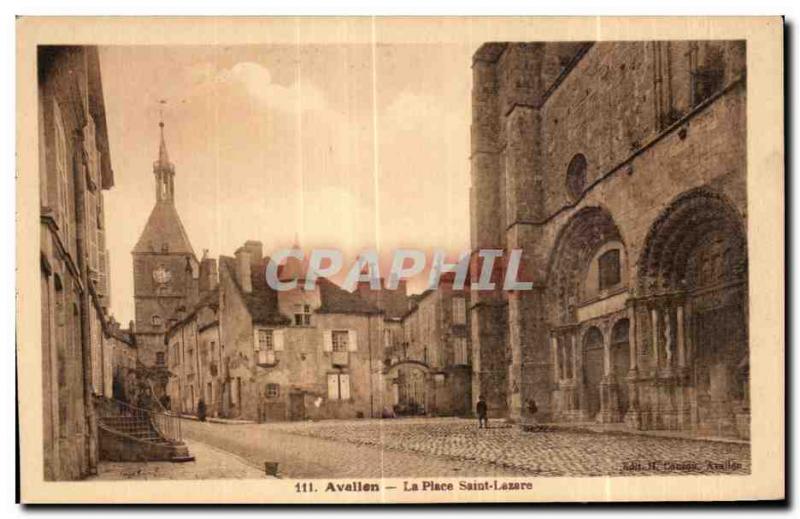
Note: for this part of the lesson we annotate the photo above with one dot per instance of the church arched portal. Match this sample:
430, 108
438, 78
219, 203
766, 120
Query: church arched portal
693, 310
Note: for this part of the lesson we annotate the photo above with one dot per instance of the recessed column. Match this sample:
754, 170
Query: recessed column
632, 346
556, 367
654, 330
680, 336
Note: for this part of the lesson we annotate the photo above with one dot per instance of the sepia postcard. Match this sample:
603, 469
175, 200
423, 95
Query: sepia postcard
400, 260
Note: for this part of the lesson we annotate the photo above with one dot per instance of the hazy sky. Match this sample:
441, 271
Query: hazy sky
346, 146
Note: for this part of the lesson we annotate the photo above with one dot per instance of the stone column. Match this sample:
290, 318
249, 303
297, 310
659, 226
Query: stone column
556, 369
654, 330
574, 341
632, 415
632, 343
680, 336
606, 355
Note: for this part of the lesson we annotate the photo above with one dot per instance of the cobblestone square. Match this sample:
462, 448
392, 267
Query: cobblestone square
456, 447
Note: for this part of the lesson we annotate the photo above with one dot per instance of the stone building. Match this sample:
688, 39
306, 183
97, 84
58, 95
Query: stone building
124, 362
428, 360
620, 170
258, 354
165, 268
74, 170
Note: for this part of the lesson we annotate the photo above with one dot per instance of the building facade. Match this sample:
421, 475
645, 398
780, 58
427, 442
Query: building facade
254, 353
620, 170
77, 343
428, 355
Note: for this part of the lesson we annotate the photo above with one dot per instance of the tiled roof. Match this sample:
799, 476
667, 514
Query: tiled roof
262, 302
337, 300
164, 227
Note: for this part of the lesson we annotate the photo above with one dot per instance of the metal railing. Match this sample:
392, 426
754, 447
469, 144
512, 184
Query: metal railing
146, 424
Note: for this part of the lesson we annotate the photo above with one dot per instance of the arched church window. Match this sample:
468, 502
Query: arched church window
576, 176
609, 269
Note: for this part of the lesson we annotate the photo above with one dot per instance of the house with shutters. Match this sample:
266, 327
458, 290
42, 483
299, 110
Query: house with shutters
254, 353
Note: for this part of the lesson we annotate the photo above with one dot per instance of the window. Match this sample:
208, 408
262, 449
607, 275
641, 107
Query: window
608, 267
339, 340
460, 351
265, 341
273, 390
160, 358
156, 320
213, 348
459, 311
303, 318
576, 176
338, 386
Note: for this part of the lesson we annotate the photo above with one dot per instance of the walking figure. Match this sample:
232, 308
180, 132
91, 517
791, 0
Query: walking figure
481, 409
201, 410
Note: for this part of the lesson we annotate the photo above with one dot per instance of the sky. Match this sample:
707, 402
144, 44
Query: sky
347, 146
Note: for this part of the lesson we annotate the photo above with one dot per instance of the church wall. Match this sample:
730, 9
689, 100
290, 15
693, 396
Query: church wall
607, 108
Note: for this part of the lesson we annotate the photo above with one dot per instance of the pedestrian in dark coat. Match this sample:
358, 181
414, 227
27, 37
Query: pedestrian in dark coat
201, 410
481, 409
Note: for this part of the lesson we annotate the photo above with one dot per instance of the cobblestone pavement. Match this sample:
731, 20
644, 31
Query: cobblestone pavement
210, 463
456, 447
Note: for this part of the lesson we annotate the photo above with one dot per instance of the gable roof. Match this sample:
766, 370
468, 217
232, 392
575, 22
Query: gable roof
164, 227
262, 302
338, 300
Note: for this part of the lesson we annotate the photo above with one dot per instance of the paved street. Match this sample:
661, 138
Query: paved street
210, 463
455, 447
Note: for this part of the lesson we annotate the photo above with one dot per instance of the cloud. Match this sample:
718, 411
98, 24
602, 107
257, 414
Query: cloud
409, 111
255, 81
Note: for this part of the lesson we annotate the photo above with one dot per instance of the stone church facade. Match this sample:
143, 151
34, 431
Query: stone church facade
620, 170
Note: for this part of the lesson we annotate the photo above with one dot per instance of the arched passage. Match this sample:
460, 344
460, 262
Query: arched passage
409, 382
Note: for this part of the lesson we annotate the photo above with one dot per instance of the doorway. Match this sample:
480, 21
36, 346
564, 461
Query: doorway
592, 370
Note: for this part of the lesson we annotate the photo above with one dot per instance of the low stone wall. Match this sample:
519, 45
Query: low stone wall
115, 446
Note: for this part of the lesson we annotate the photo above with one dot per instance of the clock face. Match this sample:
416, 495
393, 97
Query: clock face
161, 275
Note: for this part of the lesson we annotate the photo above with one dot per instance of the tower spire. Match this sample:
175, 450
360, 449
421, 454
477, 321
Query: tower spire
163, 156
163, 168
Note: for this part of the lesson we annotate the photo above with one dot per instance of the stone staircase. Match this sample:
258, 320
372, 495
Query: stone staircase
128, 433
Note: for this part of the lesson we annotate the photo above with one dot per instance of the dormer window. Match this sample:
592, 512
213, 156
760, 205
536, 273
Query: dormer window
303, 316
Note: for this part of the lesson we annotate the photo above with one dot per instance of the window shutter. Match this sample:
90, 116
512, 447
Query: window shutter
327, 340
344, 386
352, 342
256, 344
277, 340
333, 386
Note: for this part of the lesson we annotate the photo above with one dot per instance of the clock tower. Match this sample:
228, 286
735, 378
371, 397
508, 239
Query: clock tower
164, 266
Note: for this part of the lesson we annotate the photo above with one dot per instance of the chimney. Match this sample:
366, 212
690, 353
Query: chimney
208, 275
256, 250
243, 269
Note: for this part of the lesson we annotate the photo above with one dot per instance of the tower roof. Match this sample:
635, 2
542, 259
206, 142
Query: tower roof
164, 232
163, 157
